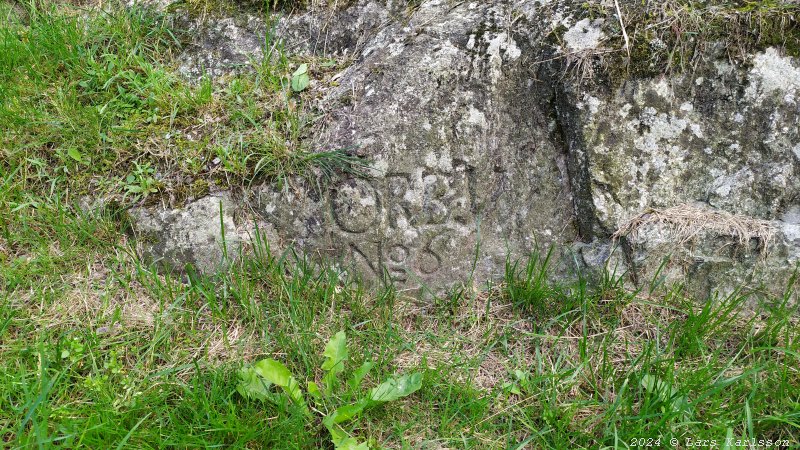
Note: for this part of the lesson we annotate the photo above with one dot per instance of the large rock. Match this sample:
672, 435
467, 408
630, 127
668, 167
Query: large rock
709, 249
466, 170
726, 136
222, 45
492, 133
338, 32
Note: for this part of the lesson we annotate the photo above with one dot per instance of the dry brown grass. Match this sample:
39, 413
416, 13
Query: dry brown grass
688, 28
89, 300
97, 301
653, 37
474, 323
685, 222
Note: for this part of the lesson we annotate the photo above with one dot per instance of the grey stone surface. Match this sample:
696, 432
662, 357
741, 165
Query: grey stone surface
173, 238
713, 262
601, 256
466, 172
221, 45
338, 31
723, 137
484, 147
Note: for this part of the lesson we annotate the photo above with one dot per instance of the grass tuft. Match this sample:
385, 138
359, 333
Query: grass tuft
674, 36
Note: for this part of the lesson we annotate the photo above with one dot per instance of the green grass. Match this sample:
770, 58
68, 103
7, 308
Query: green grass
98, 350
103, 352
674, 36
91, 104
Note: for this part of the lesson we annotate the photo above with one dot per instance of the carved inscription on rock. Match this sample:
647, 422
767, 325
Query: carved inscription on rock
404, 225
355, 206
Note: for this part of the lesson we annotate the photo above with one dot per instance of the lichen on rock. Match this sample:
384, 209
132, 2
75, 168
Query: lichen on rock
202, 234
485, 147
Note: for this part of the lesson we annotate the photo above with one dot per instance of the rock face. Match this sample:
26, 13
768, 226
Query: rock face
465, 173
189, 235
485, 148
723, 137
224, 45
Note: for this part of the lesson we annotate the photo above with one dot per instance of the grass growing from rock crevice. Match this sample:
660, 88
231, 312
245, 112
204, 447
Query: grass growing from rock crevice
674, 36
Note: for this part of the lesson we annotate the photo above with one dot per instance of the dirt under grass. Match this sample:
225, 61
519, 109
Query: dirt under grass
104, 351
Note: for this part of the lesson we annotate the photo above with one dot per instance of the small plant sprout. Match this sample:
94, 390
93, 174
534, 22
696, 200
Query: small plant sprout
336, 403
140, 181
300, 79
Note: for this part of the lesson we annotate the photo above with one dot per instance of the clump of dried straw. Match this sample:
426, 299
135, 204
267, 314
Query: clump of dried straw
685, 222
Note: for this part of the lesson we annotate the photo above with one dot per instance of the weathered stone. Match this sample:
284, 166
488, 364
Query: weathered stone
713, 262
723, 136
223, 45
337, 32
485, 147
189, 235
466, 173
601, 257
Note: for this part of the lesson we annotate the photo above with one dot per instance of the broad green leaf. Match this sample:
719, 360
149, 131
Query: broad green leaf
300, 80
667, 394
395, 388
512, 388
335, 356
350, 444
359, 374
343, 441
273, 371
251, 385
337, 434
335, 353
345, 413
313, 390
294, 391
75, 154
276, 373
301, 70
